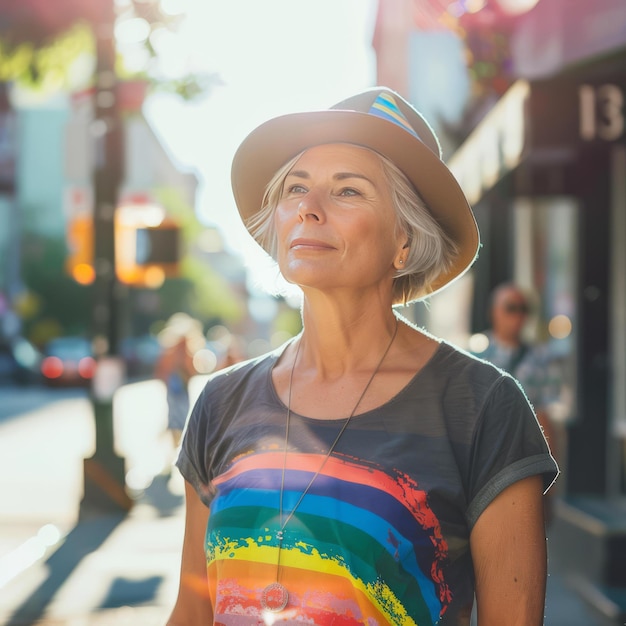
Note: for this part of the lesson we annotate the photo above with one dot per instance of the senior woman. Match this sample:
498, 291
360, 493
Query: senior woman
365, 472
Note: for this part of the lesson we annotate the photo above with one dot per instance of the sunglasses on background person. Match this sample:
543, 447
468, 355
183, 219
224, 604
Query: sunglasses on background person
515, 308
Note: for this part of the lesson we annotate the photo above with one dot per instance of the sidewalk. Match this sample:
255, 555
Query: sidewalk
564, 607
109, 571
123, 570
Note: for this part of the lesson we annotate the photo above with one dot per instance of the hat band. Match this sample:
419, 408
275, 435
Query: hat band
385, 106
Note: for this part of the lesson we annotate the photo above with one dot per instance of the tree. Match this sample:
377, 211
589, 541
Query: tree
40, 40
30, 30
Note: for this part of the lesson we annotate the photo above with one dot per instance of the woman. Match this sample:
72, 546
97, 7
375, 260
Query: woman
365, 472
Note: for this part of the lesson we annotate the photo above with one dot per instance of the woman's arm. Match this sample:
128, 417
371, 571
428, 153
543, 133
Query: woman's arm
508, 544
193, 605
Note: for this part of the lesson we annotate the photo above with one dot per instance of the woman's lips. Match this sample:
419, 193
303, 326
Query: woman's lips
310, 243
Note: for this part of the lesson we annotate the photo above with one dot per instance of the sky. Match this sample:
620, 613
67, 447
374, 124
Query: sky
272, 57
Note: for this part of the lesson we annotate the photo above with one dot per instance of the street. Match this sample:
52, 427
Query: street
46, 556
56, 428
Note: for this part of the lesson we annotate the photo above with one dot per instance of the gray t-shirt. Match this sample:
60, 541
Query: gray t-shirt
382, 535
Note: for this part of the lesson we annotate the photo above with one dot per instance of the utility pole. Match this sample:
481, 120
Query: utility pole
104, 472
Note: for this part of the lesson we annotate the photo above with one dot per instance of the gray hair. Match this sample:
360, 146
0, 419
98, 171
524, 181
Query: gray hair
424, 263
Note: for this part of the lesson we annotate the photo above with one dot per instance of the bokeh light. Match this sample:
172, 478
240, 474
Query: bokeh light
560, 326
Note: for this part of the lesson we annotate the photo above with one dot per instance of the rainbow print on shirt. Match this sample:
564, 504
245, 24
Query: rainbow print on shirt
363, 546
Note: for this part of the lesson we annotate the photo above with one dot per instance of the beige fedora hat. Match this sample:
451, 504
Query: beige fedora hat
378, 119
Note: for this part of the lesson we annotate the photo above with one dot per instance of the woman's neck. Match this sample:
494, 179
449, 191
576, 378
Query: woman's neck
338, 339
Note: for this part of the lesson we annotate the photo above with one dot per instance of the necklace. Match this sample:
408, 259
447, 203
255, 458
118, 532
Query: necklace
275, 596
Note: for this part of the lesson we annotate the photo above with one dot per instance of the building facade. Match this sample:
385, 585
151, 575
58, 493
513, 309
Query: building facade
545, 170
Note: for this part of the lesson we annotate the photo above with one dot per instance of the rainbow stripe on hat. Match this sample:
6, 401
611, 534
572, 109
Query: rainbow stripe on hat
385, 106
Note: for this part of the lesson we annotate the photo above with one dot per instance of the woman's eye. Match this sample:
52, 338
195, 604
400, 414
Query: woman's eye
349, 191
296, 189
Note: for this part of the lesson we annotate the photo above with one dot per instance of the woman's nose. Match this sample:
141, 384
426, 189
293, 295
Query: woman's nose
310, 208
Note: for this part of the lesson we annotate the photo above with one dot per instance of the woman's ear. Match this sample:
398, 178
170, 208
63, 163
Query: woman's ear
400, 260
403, 241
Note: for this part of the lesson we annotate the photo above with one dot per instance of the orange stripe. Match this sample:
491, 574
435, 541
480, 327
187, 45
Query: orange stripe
310, 593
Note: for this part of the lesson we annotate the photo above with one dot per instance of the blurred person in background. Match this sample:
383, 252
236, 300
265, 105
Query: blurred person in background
235, 351
180, 339
528, 362
228, 347
364, 472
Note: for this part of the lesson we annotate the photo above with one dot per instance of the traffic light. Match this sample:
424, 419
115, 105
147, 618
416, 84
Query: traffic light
79, 261
147, 245
158, 245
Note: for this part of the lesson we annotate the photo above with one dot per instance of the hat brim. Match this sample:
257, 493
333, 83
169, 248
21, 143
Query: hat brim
273, 143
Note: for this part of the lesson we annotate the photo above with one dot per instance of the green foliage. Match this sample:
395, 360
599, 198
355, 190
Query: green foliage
176, 206
288, 321
46, 60
48, 66
188, 87
59, 297
212, 297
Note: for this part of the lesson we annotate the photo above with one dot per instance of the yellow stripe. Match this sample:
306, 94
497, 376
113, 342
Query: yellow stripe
310, 559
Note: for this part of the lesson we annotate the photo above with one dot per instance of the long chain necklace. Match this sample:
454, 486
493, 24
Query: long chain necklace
275, 596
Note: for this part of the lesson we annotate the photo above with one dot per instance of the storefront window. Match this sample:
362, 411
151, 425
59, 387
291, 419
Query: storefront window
545, 243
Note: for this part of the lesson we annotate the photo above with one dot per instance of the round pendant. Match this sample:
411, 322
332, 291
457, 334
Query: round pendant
274, 597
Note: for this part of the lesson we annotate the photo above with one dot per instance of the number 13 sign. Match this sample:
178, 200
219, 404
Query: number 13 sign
601, 113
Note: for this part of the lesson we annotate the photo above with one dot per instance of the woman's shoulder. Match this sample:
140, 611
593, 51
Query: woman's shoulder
458, 362
451, 363
463, 375
457, 390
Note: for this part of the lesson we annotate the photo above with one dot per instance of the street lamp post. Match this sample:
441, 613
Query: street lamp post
104, 472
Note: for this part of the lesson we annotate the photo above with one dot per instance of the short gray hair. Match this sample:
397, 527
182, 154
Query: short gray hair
424, 263
431, 252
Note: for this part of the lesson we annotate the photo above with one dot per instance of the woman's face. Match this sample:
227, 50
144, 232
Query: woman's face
335, 221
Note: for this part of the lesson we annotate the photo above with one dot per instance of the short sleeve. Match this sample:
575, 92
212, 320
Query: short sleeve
508, 445
192, 461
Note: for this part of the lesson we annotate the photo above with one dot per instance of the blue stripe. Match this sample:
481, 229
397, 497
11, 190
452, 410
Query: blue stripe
386, 108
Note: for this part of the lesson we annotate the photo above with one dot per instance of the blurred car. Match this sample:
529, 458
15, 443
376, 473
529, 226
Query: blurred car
68, 361
20, 362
